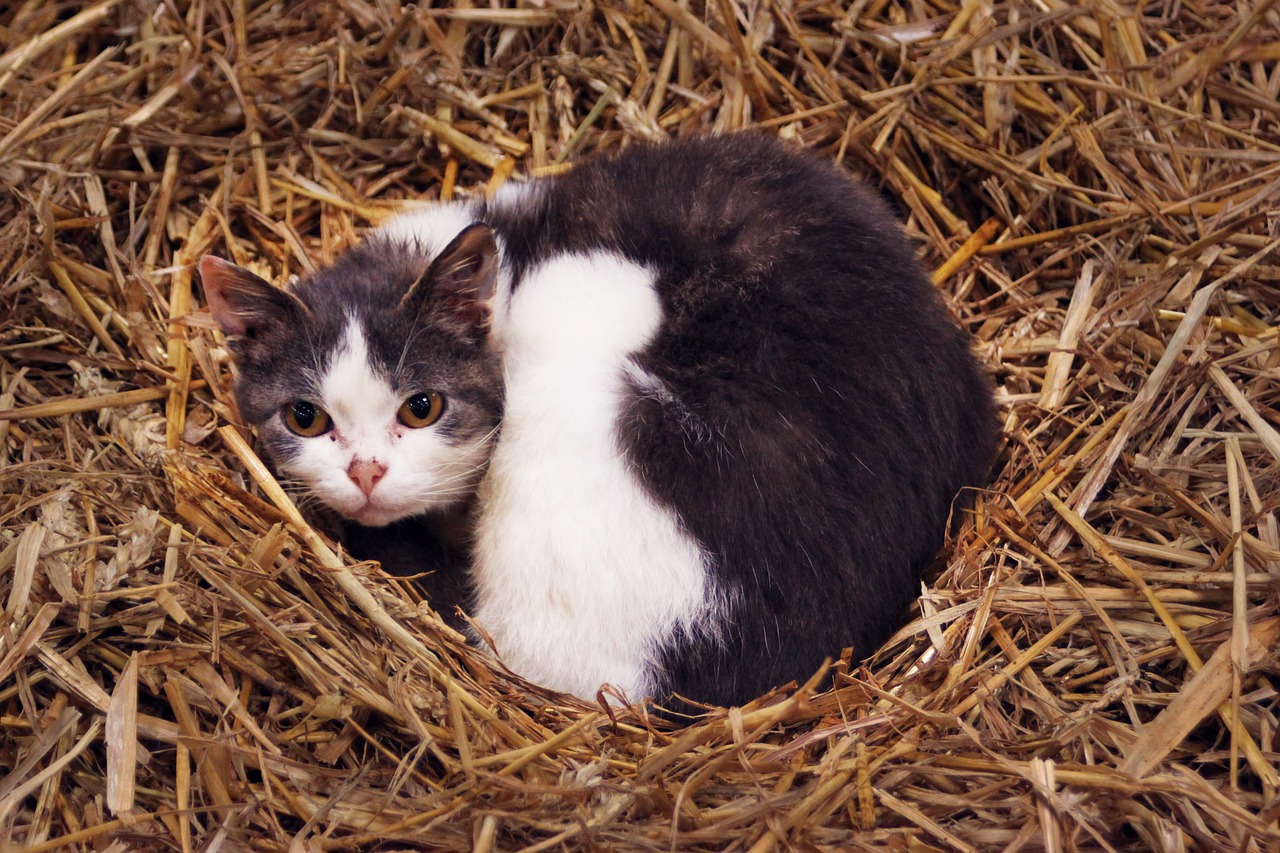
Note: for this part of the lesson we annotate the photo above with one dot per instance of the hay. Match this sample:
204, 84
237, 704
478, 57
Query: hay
183, 665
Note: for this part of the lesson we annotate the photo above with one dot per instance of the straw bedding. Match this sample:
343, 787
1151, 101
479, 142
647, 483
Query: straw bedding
186, 664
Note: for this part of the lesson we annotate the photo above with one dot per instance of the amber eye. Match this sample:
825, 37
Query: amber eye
421, 410
306, 419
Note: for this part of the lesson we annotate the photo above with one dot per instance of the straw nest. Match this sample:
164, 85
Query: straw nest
185, 663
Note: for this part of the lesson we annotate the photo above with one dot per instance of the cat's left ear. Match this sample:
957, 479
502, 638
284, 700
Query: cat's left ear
460, 283
242, 303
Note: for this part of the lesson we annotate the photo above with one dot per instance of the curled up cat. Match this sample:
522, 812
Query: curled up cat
706, 411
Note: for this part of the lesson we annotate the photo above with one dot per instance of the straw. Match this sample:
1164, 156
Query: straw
190, 661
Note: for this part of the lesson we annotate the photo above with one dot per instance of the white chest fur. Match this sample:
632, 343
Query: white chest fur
580, 576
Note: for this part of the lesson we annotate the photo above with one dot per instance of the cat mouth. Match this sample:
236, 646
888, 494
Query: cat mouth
373, 514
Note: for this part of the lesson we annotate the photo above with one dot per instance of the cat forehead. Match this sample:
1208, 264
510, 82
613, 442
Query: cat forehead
351, 380
368, 277
371, 278
354, 386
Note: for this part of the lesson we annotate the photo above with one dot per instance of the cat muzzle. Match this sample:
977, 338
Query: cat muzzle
366, 473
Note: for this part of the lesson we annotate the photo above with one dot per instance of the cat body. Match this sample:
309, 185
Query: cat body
733, 412
581, 572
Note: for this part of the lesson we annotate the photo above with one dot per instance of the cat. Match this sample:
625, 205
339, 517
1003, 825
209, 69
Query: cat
708, 412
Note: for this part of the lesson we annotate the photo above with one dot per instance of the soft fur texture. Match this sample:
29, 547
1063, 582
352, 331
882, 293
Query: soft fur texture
737, 413
581, 576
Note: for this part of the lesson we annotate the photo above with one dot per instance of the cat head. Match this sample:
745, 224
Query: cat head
371, 383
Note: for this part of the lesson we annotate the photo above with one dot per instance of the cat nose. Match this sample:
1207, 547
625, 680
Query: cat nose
366, 473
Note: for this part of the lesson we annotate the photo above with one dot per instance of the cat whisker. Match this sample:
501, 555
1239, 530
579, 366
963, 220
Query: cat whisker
482, 440
465, 482
447, 492
488, 435
307, 502
298, 489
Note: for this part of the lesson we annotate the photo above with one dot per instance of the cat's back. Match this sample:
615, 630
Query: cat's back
750, 241
745, 199
784, 284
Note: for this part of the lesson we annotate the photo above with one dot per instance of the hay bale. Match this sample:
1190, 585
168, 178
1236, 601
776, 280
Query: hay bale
185, 663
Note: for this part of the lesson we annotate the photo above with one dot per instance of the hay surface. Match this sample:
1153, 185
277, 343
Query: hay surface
183, 667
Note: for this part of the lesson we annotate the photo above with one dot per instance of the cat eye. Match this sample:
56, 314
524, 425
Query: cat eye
306, 419
421, 410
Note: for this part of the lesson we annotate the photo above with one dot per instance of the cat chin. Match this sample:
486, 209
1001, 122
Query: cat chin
367, 513
373, 516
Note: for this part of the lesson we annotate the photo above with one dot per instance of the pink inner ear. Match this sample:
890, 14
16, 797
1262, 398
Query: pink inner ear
220, 279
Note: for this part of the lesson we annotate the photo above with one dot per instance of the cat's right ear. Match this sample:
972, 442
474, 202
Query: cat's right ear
459, 285
243, 304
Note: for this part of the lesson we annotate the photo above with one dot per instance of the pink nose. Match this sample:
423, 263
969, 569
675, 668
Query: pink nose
366, 473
